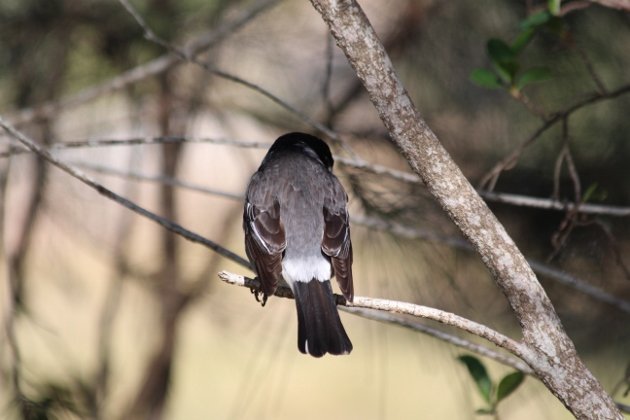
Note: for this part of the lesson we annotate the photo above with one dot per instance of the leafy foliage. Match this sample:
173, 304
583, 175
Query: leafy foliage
492, 393
507, 65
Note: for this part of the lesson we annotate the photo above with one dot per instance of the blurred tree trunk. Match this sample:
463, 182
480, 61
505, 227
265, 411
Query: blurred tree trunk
152, 394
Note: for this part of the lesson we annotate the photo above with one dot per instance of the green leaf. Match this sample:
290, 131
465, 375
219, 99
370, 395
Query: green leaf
535, 74
485, 78
535, 20
592, 193
522, 40
479, 374
503, 59
507, 71
499, 51
509, 384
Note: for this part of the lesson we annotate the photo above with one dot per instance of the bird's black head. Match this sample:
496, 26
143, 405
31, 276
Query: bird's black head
305, 143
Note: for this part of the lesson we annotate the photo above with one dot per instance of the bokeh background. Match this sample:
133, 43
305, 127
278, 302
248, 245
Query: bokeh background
108, 315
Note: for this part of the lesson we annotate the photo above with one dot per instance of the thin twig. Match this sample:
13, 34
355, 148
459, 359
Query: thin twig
406, 231
551, 204
173, 227
614, 245
459, 243
533, 108
355, 163
134, 141
150, 35
557, 174
560, 237
597, 80
573, 172
414, 233
488, 181
160, 179
144, 71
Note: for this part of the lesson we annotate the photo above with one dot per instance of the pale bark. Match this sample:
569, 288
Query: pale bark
546, 347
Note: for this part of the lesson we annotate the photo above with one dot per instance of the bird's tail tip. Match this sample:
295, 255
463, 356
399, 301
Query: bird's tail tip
320, 330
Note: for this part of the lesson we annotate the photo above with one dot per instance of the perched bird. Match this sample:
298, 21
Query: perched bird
297, 229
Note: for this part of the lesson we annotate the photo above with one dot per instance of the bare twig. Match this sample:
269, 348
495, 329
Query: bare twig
533, 108
597, 80
355, 163
376, 169
573, 172
134, 141
414, 233
561, 235
551, 204
160, 179
183, 54
541, 268
144, 71
396, 307
409, 232
614, 245
488, 181
173, 227
623, 407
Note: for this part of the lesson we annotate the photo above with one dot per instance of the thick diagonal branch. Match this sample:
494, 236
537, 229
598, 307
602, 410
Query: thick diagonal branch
551, 353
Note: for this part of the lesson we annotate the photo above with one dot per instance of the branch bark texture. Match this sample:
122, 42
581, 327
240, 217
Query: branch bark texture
384, 309
549, 351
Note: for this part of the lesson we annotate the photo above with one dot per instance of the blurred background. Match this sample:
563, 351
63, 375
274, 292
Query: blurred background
108, 315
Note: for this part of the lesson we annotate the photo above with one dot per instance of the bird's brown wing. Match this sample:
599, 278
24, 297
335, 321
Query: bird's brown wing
265, 242
337, 245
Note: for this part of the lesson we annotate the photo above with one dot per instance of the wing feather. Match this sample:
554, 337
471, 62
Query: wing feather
337, 245
265, 241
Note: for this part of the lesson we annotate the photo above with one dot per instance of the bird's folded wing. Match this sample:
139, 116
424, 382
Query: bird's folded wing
264, 243
337, 245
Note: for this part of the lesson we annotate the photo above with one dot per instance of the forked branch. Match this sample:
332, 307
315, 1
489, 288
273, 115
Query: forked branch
549, 351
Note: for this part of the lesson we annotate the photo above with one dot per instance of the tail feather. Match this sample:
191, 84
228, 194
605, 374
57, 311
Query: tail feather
319, 327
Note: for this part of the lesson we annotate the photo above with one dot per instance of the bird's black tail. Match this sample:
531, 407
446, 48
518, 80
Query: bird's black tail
319, 327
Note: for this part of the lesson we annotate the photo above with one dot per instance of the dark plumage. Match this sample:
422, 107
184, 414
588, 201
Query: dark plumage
297, 229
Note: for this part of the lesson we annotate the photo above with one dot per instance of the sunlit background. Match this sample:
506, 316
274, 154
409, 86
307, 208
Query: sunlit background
108, 315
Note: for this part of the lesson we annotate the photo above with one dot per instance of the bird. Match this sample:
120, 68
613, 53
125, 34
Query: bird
296, 225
